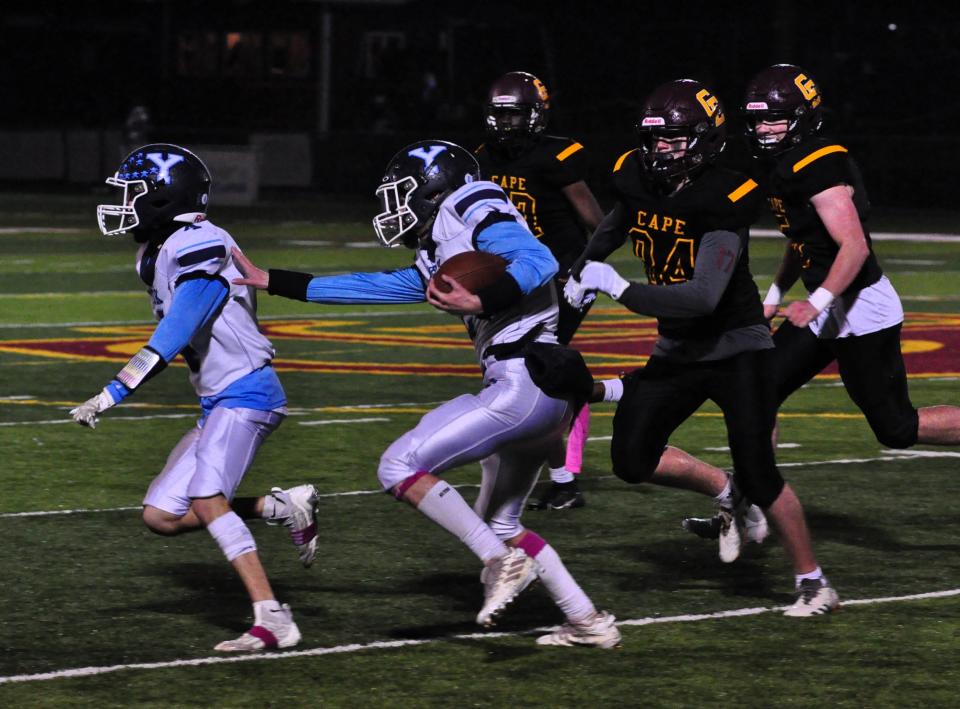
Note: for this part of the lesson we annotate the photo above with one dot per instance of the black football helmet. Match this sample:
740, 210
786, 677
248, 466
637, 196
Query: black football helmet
680, 109
416, 181
783, 92
161, 183
517, 109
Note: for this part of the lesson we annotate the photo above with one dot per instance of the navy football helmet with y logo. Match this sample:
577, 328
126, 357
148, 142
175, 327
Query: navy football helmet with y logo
416, 181
161, 183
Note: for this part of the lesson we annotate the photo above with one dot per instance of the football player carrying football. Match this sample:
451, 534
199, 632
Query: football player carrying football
185, 263
435, 203
544, 176
852, 314
688, 220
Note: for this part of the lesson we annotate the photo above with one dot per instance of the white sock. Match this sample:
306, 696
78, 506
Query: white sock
262, 609
561, 475
274, 507
446, 507
725, 498
562, 587
815, 574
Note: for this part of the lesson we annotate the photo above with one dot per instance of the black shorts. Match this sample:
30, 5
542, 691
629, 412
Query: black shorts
871, 368
664, 394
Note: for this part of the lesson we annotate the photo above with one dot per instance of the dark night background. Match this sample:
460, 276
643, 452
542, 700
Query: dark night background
357, 80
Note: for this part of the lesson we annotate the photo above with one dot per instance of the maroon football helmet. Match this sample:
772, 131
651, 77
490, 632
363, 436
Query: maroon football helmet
516, 110
681, 109
783, 92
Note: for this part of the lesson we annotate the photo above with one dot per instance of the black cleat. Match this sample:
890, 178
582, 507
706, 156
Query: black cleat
559, 496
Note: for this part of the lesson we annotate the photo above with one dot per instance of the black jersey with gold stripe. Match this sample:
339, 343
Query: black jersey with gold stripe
800, 173
534, 180
666, 231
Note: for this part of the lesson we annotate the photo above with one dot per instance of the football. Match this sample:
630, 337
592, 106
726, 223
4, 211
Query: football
474, 270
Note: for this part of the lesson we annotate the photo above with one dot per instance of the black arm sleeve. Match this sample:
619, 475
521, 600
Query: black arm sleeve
716, 260
500, 294
289, 284
608, 237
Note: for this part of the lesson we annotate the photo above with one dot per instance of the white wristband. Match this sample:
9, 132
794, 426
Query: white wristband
820, 299
774, 295
612, 389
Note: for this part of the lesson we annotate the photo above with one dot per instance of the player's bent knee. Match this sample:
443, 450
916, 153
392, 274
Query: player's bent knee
635, 468
762, 491
392, 472
902, 434
160, 522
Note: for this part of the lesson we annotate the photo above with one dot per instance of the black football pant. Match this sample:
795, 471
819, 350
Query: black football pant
871, 368
664, 394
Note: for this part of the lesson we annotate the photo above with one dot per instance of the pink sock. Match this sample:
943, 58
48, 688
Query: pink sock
577, 439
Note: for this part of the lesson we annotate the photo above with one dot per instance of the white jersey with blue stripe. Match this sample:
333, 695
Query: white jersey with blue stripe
454, 231
229, 346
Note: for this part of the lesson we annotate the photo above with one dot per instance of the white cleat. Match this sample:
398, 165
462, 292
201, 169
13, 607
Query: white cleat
729, 538
299, 505
755, 525
271, 630
814, 597
600, 631
503, 579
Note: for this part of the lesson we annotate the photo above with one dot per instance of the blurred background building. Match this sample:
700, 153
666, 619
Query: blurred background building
318, 95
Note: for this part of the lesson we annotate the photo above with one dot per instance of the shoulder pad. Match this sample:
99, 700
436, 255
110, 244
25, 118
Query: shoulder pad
622, 159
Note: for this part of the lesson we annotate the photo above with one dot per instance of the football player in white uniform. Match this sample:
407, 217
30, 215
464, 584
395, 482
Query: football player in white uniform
435, 203
186, 265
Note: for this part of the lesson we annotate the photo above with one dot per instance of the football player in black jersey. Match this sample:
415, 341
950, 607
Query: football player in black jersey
852, 314
687, 221
544, 177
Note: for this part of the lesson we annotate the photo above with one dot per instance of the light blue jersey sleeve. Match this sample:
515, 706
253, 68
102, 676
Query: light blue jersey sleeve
403, 285
194, 302
530, 263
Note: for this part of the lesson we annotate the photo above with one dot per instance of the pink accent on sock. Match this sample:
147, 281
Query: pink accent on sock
268, 639
532, 543
406, 483
578, 439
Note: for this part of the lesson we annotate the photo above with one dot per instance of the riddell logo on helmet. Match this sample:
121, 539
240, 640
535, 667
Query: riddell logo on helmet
757, 106
653, 121
200, 218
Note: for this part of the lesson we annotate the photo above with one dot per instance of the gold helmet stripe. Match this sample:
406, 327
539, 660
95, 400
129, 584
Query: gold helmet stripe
816, 155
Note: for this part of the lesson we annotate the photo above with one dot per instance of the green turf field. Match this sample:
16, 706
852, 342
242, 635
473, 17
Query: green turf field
387, 610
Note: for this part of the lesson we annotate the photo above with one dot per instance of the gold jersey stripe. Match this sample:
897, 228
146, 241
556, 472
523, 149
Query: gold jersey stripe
816, 155
567, 152
742, 190
621, 159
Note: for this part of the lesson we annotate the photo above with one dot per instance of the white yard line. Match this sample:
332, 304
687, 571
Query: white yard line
327, 422
392, 644
897, 456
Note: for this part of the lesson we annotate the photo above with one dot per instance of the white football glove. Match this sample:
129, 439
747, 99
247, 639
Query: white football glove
86, 413
594, 276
